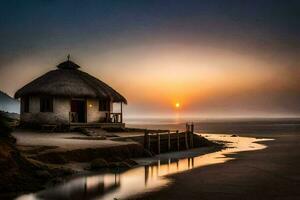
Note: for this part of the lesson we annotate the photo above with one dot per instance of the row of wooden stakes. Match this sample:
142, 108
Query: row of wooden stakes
151, 136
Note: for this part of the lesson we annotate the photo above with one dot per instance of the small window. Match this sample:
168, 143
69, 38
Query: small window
25, 104
46, 104
104, 105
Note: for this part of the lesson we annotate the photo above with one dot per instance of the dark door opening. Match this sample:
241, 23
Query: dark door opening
78, 108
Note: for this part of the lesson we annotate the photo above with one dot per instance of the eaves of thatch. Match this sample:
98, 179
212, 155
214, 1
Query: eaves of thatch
69, 81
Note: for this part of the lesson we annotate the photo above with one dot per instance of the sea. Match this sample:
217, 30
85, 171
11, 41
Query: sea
217, 125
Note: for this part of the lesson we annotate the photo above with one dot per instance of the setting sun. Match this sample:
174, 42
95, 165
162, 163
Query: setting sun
177, 105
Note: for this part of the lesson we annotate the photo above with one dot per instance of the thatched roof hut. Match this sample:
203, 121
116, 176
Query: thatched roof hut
69, 81
68, 95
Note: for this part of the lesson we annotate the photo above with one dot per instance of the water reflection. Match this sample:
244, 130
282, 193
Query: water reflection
140, 179
83, 188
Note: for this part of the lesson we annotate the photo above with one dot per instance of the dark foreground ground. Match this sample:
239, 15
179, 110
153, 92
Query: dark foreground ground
271, 173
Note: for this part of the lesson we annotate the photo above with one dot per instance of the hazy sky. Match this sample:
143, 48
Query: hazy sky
217, 58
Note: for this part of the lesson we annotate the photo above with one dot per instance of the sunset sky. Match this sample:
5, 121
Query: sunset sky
214, 58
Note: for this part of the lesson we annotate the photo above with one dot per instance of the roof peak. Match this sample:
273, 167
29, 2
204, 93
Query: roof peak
68, 65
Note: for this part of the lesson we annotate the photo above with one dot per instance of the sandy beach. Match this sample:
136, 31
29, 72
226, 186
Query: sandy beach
270, 173
63, 141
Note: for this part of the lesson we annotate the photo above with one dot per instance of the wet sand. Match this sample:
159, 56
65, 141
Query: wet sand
271, 173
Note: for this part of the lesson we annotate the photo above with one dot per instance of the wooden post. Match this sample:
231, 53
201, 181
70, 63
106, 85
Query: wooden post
192, 135
158, 143
186, 140
146, 143
169, 141
187, 132
149, 142
121, 112
178, 142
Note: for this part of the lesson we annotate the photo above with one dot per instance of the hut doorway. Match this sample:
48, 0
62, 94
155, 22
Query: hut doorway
78, 109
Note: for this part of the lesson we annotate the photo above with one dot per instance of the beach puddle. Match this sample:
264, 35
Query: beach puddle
151, 176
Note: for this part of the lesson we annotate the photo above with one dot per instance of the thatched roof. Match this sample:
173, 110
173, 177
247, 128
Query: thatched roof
69, 81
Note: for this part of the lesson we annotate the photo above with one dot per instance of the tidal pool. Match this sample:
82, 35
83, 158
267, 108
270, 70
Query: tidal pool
150, 176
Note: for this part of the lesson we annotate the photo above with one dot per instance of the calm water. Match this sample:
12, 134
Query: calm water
150, 176
227, 125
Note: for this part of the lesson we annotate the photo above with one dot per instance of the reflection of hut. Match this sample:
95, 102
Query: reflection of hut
69, 96
87, 187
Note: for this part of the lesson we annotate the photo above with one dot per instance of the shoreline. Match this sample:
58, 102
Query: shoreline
247, 174
140, 164
191, 175
76, 153
163, 166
